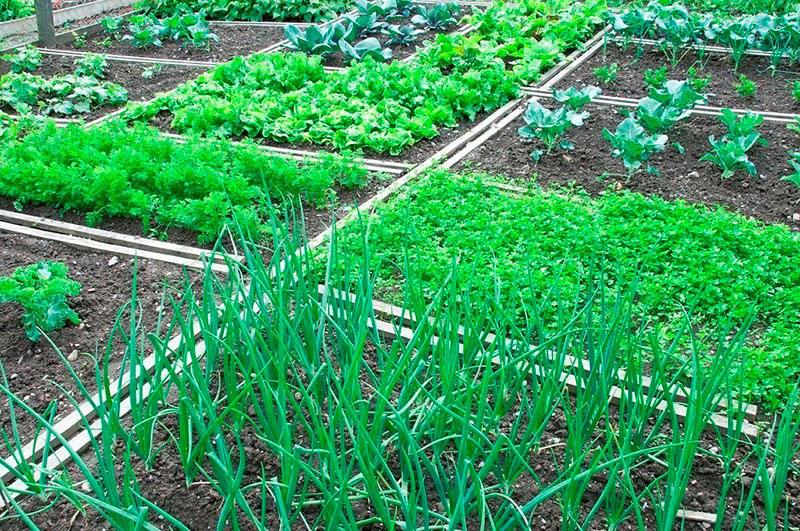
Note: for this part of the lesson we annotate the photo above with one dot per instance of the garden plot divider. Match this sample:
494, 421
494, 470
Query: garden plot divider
120, 248
115, 238
130, 58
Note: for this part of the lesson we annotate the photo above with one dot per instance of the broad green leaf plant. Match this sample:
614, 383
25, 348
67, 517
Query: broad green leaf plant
42, 290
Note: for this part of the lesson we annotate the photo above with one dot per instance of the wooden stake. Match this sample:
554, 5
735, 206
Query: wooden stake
44, 22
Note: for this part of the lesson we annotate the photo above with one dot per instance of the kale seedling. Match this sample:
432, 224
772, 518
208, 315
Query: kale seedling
42, 290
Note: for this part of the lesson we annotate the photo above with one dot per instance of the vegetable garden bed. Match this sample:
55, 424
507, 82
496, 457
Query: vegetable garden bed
514, 248
136, 181
136, 82
34, 369
773, 91
233, 41
599, 322
592, 167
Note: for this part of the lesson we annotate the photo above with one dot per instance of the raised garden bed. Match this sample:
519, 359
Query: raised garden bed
773, 92
34, 369
680, 176
233, 40
570, 352
131, 76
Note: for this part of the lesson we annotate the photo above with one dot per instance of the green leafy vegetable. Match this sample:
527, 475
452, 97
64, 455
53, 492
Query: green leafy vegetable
746, 87
42, 290
575, 99
549, 126
91, 65
25, 59
632, 144
607, 74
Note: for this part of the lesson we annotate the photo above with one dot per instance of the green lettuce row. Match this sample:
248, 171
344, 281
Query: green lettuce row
290, 98
200, 185
713, 263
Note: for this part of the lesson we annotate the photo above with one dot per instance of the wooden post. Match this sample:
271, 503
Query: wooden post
44, 22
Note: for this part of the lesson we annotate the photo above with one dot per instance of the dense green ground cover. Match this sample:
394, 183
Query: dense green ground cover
289, 97
256, 10
727, 6
13, 9
712, 263
115, 171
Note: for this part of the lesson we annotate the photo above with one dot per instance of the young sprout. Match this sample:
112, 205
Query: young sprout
549, 127
746, 87
796, 91
607, 74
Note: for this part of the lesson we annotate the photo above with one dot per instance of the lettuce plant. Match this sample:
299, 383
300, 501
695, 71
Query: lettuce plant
42, 290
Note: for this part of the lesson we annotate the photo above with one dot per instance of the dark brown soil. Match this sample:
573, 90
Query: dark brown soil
681, 176
34, 369
774, 92
129, 75
117, 224
233, 40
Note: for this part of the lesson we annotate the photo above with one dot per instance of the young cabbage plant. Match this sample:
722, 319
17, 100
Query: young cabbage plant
549, 127
730, 156
112, 25
678, 94
794, 162
437, 17
574, 99
633, 144
369, 47
403, 35
745, 127
387, 9
730, 152
657, 117
314, 41
361, 24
